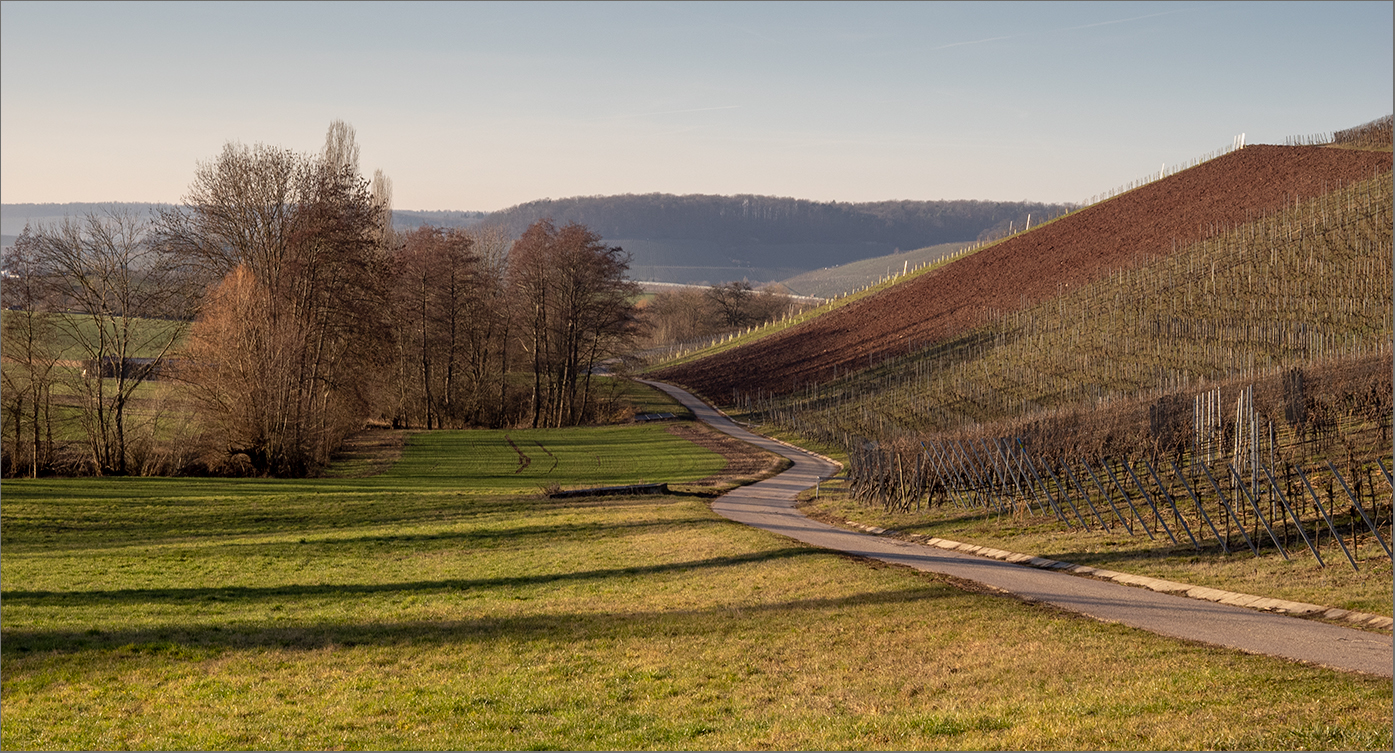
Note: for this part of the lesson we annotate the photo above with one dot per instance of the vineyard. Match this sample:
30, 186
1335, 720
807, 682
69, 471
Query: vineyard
1231, 395
1305, 285
1296, 462
952, 302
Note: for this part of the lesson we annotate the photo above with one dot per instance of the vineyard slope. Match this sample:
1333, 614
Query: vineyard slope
1139, 226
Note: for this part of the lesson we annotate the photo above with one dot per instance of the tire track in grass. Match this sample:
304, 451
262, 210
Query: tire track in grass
549, 454
523, 460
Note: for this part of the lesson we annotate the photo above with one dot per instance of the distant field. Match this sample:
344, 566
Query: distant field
433, 608
673, 259
147, 336
831, 281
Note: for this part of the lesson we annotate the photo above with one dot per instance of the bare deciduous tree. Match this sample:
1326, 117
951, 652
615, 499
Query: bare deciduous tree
578, 308
436, 304
341, 148
382, 196
124, 307
494, 320
678, 316
732, 300
30, 359
293, 245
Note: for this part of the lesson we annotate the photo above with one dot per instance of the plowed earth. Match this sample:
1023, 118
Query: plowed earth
1129, 229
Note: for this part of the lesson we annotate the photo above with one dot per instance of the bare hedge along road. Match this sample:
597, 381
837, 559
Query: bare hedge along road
770, 505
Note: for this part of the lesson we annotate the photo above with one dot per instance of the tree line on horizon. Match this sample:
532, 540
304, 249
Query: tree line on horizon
704, 238
274, 311
779, 220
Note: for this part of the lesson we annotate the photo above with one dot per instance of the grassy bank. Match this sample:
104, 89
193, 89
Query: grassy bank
442, 605
1299, 578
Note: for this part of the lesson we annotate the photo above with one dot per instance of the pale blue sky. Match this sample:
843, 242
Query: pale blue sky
485, 105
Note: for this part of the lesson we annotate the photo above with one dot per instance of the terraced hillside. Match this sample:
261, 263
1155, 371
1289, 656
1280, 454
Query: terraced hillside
1141, 225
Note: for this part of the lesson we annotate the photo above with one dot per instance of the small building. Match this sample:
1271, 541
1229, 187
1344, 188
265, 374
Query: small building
115, 367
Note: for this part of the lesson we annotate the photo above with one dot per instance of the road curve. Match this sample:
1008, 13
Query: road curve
769, 505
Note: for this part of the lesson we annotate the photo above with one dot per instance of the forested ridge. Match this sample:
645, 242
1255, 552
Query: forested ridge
709, 239
778, 220
743, 218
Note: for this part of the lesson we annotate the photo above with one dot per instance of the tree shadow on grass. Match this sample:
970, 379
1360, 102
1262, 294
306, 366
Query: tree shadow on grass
249, 593
62, 530
565, 628
473, 538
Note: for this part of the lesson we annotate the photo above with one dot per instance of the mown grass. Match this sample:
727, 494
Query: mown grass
424, 610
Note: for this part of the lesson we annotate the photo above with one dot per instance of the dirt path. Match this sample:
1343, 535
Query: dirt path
769, 505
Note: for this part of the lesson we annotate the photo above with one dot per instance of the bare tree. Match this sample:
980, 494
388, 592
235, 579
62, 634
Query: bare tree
436, 307
341, 148
675, 316
382, 197
732, 301
678, 316
290, 342
31, 356
494, 323
124, 307
579, 310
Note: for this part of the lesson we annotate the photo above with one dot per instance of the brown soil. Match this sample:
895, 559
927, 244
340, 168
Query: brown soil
1133, 228
745, 462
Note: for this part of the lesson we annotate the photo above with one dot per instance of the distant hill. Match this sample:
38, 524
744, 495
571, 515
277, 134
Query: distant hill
830, 281
13, 217
709, 239
705, 239
411, 219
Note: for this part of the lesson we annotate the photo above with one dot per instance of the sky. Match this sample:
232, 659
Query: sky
482, 106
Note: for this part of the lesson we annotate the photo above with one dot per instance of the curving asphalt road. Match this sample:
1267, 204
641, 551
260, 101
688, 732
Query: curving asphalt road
769, 505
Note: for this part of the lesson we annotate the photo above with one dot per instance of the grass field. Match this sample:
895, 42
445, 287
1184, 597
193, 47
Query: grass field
832, 281
444, 605
146, 336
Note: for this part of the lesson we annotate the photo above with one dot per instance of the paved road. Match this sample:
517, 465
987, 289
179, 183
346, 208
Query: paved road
769, 505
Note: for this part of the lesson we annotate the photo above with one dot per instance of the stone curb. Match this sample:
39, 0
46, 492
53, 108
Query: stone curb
1295, 608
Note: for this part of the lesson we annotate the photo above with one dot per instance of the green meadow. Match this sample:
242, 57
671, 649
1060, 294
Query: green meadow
448, 604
